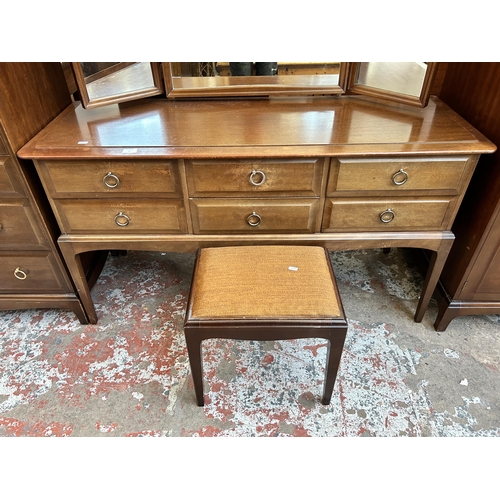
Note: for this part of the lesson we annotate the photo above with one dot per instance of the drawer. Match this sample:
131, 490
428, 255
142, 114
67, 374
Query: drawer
31, 273
247, 178
10, 184
134, 216
102, 178
397, 175
18, 226
365, 214
298, 215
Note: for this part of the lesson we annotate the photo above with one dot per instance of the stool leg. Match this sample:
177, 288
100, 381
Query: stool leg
333, 356
196, 362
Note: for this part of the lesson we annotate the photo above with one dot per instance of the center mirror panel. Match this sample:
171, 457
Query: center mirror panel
226, 79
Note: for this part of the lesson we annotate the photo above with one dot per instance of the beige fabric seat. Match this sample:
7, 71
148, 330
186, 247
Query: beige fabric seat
264, 293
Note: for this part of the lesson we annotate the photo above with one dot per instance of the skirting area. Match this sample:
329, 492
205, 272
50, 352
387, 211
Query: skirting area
129, 374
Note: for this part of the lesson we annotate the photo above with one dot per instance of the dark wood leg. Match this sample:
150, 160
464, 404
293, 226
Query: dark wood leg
444, 317
77, 272
196, 362
436, 265
80, 313
333, 356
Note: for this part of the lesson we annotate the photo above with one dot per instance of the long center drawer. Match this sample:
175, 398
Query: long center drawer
254, 215
248, 178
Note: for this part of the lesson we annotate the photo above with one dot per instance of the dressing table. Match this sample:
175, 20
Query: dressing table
346, 173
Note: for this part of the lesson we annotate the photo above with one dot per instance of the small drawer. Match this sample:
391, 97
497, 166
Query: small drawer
30, 273
397, 175
243, 178
134, 216
101, 178
296, 215
18, 226
10, 184
362, 214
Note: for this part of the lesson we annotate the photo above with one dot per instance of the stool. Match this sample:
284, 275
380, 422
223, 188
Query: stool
264, 293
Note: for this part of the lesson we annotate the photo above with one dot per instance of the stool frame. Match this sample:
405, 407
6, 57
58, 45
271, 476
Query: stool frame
332, 329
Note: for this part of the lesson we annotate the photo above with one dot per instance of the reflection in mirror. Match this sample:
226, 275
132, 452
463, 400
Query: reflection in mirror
199, 79
406, 82
105, 83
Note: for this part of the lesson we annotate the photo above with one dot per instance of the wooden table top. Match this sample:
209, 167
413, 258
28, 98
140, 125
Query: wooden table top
276, 127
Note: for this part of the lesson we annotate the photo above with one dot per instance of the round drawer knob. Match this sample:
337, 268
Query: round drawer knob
400, 177
254, 219
257, 177
21, 274
387, 216
111, 180
122, 220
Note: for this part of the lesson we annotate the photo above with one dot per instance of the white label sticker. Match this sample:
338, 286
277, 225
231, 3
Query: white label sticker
83, 142
129, 151
293, 268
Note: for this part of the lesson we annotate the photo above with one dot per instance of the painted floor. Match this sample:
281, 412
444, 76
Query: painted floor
129, 374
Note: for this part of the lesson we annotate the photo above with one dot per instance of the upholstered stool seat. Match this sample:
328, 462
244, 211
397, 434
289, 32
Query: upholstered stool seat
264, 293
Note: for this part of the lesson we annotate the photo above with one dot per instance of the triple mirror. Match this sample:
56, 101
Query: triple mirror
106, 83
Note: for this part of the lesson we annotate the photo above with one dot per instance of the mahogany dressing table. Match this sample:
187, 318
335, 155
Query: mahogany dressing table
342, 172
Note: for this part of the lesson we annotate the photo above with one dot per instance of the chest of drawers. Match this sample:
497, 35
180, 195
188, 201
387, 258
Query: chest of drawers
395, 194
33, 273
255, 196
262, 172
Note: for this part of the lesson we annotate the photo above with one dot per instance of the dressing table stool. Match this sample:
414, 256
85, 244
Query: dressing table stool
264, 293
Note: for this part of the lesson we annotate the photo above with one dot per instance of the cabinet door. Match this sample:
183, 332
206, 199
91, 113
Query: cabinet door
483, 283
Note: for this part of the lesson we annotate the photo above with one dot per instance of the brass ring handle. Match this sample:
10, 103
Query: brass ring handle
387, 216
21, 274
122, 220
402, 175
115, 182
254, 175
254, 219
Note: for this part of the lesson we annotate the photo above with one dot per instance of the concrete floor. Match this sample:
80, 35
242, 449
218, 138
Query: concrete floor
129, 374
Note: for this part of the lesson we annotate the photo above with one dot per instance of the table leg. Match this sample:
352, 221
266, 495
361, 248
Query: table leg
436, 265
77, 271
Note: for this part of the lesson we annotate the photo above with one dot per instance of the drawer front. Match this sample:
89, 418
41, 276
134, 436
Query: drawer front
35, 273
101, 178
10, 185
212, 216
396, 175
247, 178
115, 216
17, 226
361, 214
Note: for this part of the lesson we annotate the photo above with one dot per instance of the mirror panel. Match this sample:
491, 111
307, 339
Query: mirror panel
220, 79
404, 82
107, 83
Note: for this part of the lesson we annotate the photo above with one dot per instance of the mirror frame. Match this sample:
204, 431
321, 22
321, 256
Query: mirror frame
422, 100
87, 103
246, 86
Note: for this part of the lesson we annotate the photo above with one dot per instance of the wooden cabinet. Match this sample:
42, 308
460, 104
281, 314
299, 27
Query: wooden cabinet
470, 281
255, 196
400, 194
175, 176
32, 270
